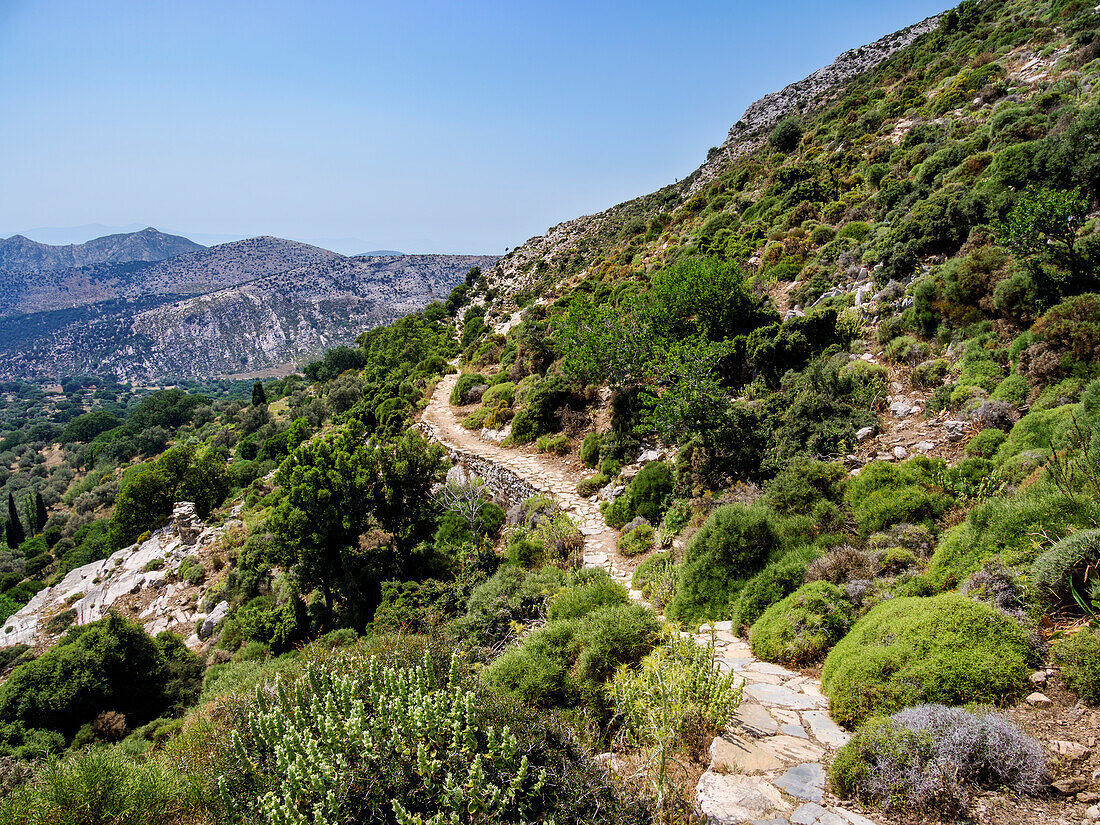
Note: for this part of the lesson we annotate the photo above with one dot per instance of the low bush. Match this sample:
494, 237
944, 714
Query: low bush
512, 596
567, 660
461, 394
802, 627
884, 494
776, 581
1004, 528
656, 577
589, 451
933, 757
448, 749
111, 665
647, 495
1079, 657
589, 590
556, 444
947, 649
799, 486
103, 784
729, 548
677, 696
1013, 390
841, 564
636, 541
985, 443
1071, 565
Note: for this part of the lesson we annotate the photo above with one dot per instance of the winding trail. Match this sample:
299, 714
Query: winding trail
768, 766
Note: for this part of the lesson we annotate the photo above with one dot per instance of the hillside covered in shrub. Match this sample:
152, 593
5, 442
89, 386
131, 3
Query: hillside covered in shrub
842, 392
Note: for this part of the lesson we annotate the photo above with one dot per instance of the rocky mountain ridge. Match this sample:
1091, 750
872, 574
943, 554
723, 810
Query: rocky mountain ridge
277, 318
204, 270
570, 245
21, 255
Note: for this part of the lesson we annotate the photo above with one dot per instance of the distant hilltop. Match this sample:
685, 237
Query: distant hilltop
149, 306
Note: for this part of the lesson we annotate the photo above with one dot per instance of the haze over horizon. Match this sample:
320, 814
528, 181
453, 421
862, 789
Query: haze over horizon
426, 128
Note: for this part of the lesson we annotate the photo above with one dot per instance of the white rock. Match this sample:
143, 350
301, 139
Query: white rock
1038, 699
864, 433
900, 453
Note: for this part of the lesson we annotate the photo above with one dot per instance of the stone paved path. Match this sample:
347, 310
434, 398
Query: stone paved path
768, 766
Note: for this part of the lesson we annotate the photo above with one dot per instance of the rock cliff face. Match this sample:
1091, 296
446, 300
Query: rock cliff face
142, 582
568, 246
759, 119
19, 254
270, 320
225, 265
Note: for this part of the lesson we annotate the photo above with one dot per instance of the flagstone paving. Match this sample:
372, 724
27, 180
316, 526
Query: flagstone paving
768, 766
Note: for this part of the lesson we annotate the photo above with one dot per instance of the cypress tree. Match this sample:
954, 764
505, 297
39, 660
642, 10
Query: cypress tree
40, 516
259, 397
16, 536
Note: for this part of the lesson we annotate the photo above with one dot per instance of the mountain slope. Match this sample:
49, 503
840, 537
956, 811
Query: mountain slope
269, 320
19, 254
198, 271
567, 248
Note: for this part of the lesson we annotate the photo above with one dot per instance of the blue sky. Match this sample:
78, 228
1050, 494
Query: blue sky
418, 126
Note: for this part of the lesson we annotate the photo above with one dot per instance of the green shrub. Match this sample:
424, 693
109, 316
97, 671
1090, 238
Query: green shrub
111, 664
656, 577
799, 486
511, 596
647, 495
1005, 528
103, 784
588, 487
636, 541
884, 494
802, 627
556, 444
947, 649
729, 548
1072, 564
589, 451
1079, 657
677, 696
1014, 390
590, 590
770, 585
466, 382
985, 443
984, 373
932, 757
568, 659
930, 374
476, 419
905, 349
504, 392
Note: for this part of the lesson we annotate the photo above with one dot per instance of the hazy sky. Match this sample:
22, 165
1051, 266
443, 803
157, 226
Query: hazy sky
420, 126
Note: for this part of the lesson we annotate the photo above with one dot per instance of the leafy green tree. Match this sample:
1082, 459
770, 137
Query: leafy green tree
85, 427
1042, 229
181, 474
605, 342
786, 135
111, 664
351, 510
706, 296
259, 397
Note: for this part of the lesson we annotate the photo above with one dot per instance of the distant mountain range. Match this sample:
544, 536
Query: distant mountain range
146, 306
63, 235
19, 254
